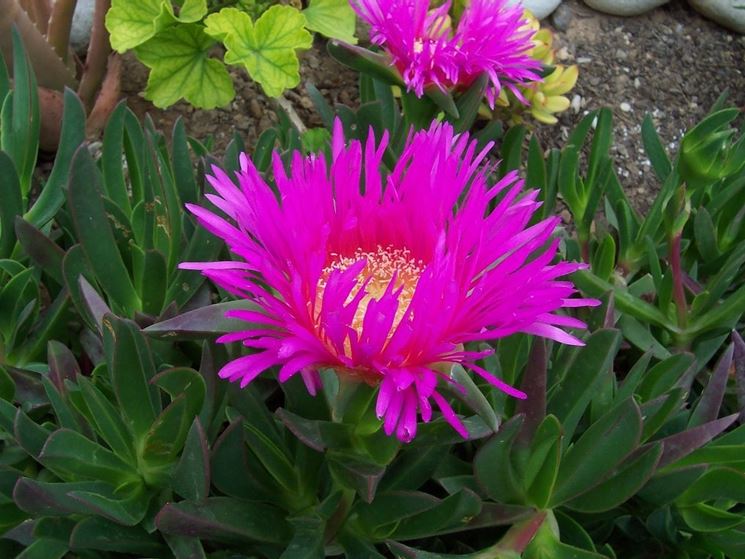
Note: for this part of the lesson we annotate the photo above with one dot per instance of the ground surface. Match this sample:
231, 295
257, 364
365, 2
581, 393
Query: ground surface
671, 63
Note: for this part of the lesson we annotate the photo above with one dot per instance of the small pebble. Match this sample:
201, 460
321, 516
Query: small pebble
576, 103
625, 107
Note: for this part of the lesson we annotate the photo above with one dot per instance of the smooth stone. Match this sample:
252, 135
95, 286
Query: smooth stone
724, 12
625, 7
539, 8
561, 17
82, 23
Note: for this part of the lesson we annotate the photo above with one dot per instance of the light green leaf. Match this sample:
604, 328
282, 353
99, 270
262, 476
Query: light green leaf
332, 18
132, 22
192, 10
267, 48
180, 67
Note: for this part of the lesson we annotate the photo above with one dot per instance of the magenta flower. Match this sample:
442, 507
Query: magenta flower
385, 278
491, 37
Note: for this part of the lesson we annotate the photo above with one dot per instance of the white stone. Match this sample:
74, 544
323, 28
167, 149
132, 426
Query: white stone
82, 23
724, 12
625, 7
539, 8
625, 107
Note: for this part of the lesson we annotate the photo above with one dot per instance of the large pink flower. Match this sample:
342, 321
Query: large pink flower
385, 277
491, 37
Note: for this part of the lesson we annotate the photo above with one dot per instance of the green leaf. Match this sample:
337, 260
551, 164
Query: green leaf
81, 458
191, 478
353, 473
542, 467
447, 515
655, 150
45, 253
308, 539
267, 48
127, 506
630, 476
94, 232
192, 10
333, 18
99, 534
493, 466
599, 450
44, 548
131, 367
716, 484
180, 67
107, 420
204, 321
20, 121
52, 196
39, 498
132, 22
466, 390
225, 519
12, 206
708, 518
584, 374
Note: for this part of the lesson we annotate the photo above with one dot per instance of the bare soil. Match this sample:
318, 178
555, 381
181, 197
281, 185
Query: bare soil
671, 63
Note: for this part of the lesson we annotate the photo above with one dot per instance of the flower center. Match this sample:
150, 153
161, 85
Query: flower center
383, 266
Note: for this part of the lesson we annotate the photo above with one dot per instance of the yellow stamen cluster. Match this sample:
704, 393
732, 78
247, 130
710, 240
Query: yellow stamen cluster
385, 264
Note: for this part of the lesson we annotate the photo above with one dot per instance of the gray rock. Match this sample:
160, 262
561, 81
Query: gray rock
625, 7
82, 23
561, 17
539, 8
724, 12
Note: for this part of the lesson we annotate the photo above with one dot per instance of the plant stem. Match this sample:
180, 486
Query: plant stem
38, 11
59, 27
678, 290
98, 54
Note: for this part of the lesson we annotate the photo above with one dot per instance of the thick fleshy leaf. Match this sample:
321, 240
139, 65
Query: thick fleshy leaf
599, 450
181, 68
307, 540
356, 474
542, 466
681, 444
80, 458
630, 476
448, 515
266, 48
191, 478
708, 406
131, 367
12, 206
43, 251
225, 519
94, 232
52, 196
52, 499
588, 367
493, 465
204, 321
100, 534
